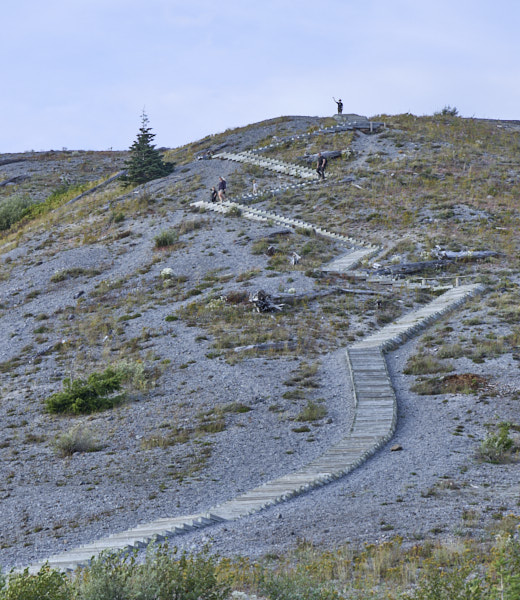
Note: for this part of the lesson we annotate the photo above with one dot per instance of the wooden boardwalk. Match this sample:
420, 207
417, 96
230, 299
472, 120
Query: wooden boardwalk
373, 424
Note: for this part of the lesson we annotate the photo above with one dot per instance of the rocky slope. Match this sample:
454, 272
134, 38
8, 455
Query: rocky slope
81, 289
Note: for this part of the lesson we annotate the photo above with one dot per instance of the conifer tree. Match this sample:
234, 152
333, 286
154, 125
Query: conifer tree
145, 162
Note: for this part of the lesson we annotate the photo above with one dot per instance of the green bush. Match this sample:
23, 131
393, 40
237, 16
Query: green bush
81, 396
12, 210
496, 447
166, 238
15, 209
282, 586
440, 584
162, 576
46, 584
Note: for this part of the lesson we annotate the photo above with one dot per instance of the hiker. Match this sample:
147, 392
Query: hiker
213, 194
221, 188
320, 166
255, 187
340, 105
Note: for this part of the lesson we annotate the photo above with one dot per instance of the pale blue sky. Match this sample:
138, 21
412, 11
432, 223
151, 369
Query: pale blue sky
77, 73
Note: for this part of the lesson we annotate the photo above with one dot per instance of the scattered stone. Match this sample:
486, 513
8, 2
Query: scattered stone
396, 448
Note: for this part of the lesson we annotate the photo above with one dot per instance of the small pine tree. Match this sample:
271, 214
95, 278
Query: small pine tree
145, 162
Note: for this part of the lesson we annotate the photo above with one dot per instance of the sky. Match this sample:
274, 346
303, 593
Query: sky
77, 74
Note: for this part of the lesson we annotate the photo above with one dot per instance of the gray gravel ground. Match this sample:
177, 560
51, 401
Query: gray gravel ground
434, 486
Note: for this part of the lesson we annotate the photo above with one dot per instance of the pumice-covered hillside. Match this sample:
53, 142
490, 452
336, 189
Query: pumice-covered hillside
159, 358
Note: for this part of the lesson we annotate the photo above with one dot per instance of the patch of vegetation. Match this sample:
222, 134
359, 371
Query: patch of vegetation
190, 225
314, 411
304, 375
73, 272
12, 210
469, 570
465, 383
212, 421
498, 446
19, 210
77, 439
236, 407
247, 275
80, 396
421, 364
162, 575
301, 429
166, 238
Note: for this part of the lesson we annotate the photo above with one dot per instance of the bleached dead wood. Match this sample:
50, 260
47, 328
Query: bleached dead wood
97, 187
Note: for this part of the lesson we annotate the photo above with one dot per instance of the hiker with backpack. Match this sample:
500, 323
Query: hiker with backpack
340, 105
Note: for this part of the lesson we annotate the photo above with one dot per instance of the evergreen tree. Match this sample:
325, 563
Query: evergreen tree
145, 162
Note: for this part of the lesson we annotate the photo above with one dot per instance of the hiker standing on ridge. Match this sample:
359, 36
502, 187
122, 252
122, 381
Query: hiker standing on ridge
340, 105
320, 167
221, 188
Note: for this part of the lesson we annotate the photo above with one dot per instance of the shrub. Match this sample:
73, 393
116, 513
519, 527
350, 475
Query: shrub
107, 578
440, 584
497, 446
421, 364
15, 209
47, 583
166, 238
73, 272
77, 439
236, 407
312, 412
191, 225
162, 576
282, 586
12, 210
81, 396
234, 211
464, 383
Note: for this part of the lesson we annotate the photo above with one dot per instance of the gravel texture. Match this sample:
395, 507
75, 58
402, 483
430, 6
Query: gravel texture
434, 486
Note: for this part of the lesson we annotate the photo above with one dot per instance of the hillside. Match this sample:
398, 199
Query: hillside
82, 288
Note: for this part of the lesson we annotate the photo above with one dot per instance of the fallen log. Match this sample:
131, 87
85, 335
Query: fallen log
10, 161
292, 299
440, 263
288, 345
463, 254
14, 180
97, 187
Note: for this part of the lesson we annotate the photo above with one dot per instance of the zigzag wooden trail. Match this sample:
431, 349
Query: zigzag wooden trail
374, 415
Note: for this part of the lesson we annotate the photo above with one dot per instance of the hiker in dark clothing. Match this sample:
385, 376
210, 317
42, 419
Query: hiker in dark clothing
213, 194
221, 188
320, 167
340, 105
